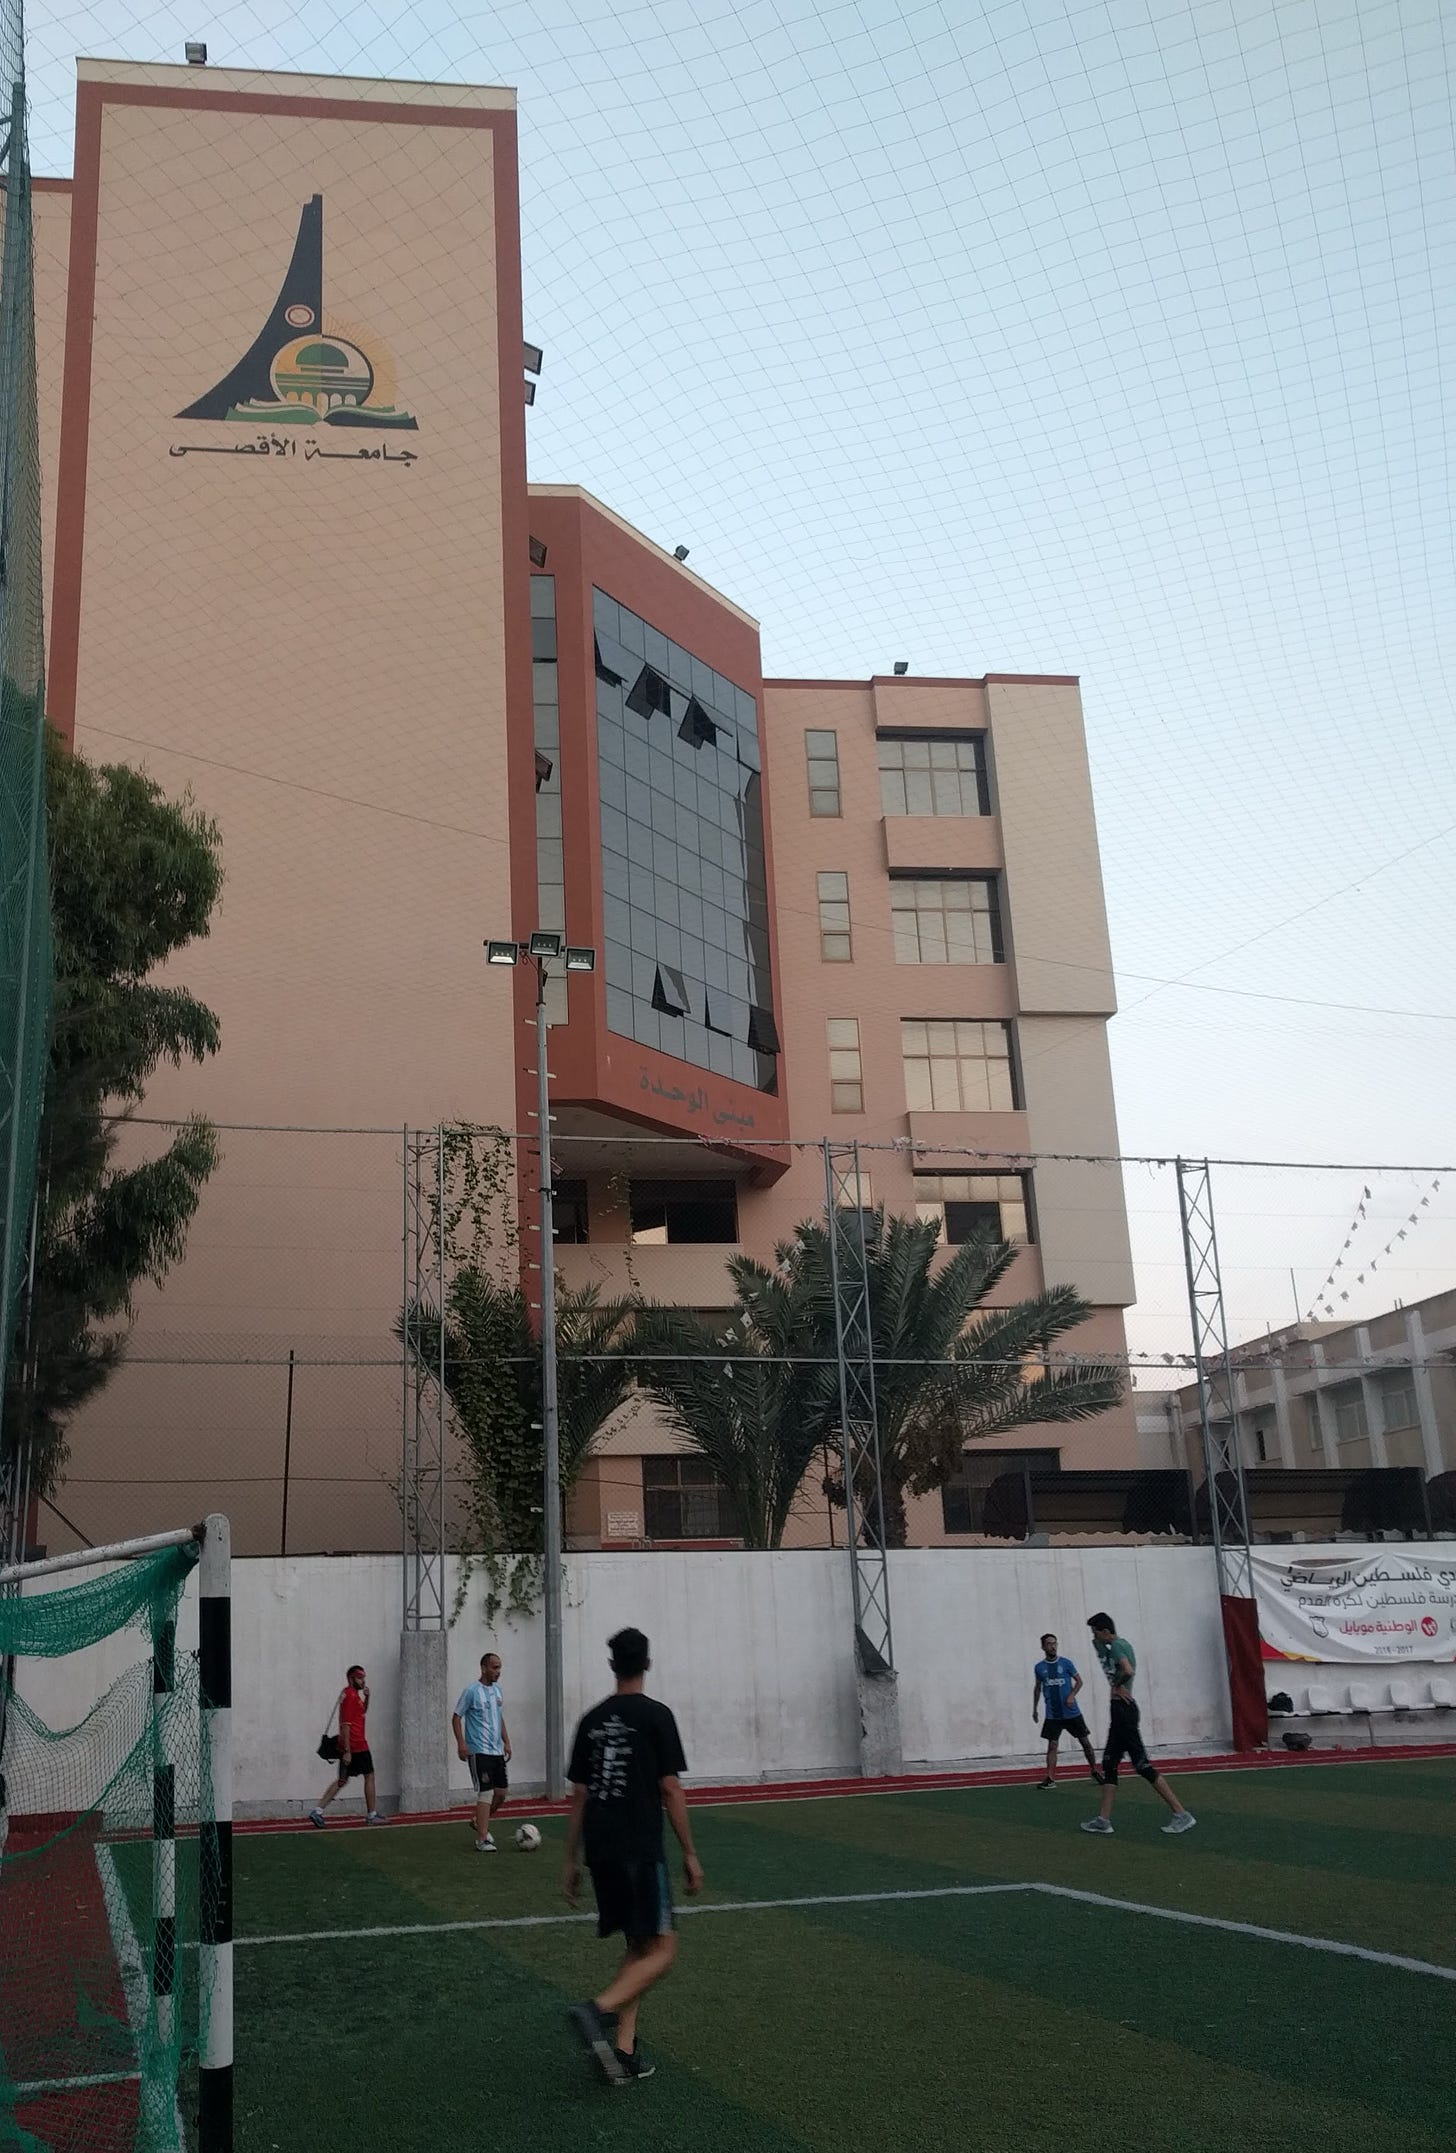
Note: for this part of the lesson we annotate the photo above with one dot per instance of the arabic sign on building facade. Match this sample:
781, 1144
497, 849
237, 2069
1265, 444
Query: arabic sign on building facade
1358, 1607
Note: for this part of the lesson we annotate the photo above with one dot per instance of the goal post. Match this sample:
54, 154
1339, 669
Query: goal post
116, 1848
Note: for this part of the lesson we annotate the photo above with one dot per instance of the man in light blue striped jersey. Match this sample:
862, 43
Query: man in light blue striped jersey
479, 1725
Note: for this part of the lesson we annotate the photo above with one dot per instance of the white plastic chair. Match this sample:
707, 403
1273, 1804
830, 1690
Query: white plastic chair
1443, 1693
1403, 1698
1321, 1700
1365, 1697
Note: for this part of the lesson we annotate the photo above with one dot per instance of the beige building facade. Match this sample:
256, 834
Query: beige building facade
298, 573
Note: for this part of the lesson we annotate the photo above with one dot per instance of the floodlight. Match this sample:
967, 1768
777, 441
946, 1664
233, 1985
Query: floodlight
196, 53
534, 357
579, 959
679, 553
544, 944
502, 952
902, 667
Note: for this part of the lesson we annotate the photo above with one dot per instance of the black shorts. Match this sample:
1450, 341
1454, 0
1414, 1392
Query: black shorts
358, 1766
488, 1773
1053, 1729
1125, 1739
635, 1898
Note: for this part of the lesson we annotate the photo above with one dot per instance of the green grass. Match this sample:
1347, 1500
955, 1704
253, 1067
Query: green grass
1016, 2021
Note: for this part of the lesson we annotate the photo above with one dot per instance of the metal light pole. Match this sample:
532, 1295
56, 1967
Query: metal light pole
539, 951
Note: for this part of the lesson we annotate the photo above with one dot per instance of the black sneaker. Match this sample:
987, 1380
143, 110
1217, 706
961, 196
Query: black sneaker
597, 2032
638, 2065
1043, 1784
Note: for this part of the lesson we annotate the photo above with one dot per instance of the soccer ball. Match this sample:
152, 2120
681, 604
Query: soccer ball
527, 1838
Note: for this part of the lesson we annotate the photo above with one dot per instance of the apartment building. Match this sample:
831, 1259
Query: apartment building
1352, 1395
297, 571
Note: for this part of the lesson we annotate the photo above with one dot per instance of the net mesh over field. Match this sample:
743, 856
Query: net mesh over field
104, 1783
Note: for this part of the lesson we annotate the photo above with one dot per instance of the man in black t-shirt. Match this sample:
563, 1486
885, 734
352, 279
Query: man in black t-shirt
625, 1771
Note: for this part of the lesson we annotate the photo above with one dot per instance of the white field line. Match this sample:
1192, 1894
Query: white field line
876, 1898
33, 2088
554, 1921
1251, 1928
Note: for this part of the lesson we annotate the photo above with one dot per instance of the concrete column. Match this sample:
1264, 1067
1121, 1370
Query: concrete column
1370, 1392
1425, 1395
424, 1721
880, 1752
1283, 1422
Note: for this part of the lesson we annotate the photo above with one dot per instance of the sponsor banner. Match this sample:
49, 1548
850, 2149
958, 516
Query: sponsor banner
1355, 1606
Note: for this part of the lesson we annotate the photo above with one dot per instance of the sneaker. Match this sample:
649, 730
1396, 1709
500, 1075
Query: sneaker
374, 1817
1102, 1826
1043, 1784
1183, 1822
597, 2032
638, 2065
317, 1819
486, 1845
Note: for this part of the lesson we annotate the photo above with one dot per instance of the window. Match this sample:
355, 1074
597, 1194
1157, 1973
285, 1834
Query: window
1398, 1407
685, 955
945, 919
987, 1491
846, 1076
569, 1212
956, 1065
822, 749
969, 1207
684, 1499
834, 940
1314, 1431
550, 849
1348, 1401
672, 1211
1261, 1447
933, 774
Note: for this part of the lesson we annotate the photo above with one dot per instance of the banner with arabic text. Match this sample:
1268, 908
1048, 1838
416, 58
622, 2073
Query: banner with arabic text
1355, 1606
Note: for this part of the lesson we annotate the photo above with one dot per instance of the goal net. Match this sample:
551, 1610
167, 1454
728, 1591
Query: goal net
109, 1859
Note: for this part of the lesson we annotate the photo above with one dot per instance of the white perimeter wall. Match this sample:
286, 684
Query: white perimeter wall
752, 1650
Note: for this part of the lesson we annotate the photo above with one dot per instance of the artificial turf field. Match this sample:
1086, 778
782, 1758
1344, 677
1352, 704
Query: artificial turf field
941, 2019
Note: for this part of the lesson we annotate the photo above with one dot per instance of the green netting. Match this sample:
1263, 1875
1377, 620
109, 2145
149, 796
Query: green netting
25, 931
49, 1625
102, 1739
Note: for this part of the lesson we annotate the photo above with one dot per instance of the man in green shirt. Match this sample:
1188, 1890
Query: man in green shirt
1124, 1735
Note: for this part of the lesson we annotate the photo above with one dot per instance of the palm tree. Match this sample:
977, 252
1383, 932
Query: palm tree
492, 1377
948, 1370
744, 1393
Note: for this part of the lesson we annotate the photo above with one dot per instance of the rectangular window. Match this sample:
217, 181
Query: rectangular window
1314, 1432
846, 1076
987, 1492
1348, 1401
970, 1207
671, 1211
834, 937
932, 774
822, 750
684, 1499
569, 1211
1398, 1407
956, 1065
945, 919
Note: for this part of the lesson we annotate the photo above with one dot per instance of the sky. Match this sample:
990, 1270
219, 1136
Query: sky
1112, 339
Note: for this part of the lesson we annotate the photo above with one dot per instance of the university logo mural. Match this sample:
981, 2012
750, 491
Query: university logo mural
305, 368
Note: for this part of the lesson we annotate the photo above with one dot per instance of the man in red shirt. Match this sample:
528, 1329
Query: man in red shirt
355, 1761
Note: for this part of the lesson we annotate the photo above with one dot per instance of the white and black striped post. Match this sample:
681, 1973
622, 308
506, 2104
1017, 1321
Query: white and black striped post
164, 1839
215, 1938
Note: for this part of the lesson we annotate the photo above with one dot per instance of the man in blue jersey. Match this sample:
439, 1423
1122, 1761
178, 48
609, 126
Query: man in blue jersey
481, 1740
1056, 1685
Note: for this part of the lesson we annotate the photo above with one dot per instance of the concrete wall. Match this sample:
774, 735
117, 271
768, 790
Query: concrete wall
752, 1651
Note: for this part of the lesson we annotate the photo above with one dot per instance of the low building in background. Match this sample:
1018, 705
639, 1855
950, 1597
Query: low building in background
1327, 1398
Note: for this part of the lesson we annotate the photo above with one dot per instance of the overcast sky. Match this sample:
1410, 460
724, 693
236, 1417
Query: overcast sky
1108, 338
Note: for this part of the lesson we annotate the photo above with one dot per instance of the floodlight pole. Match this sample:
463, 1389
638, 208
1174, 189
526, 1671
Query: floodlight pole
550, 1424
